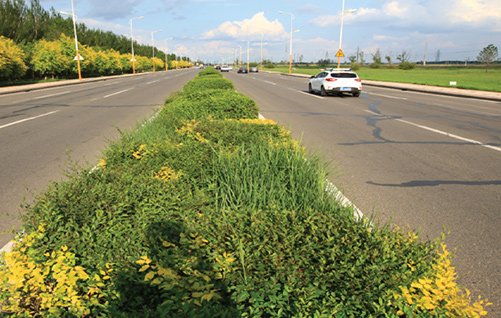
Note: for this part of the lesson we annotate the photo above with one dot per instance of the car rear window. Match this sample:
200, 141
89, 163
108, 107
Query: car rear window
344, 75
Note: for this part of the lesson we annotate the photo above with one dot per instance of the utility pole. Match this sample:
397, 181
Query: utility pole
425, 51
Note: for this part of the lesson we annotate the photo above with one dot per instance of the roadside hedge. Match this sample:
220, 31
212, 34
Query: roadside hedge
210, 212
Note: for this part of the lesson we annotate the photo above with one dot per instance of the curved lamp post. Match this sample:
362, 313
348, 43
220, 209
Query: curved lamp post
290, 55
132, 44
77, 57
166, 63
153, 48
341, 36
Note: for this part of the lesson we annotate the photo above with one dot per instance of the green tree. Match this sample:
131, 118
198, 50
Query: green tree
12, 65
488, 55
404, 57
49, 60
376, 57
388, 59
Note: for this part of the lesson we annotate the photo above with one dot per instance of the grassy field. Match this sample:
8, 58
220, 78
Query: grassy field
467, 78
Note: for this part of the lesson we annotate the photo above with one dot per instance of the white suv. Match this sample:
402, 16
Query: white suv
336, 81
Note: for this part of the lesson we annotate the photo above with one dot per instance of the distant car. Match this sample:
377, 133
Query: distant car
217, 67
254, 69
226, 68
243, 70
336, 81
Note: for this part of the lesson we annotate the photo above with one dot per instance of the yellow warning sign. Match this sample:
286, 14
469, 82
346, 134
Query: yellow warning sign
339, 53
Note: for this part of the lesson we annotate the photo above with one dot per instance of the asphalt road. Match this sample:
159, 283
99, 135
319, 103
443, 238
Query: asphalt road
427, 161
41, 130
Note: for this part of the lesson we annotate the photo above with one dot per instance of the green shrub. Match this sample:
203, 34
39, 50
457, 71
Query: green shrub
216, 103
270, 65
355, 66
407, 66
375, 65
208, 83
209, 71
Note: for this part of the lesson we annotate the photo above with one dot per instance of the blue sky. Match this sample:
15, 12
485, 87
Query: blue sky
213, 30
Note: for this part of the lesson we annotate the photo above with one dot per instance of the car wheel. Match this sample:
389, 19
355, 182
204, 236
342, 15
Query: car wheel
310, 90
356, 94
322, 91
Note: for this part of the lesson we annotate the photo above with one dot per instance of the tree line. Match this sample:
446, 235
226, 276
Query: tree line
29, 32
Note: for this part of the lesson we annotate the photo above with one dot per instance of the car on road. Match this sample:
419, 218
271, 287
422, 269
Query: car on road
243, 70
226, 68
336, 81
254, 69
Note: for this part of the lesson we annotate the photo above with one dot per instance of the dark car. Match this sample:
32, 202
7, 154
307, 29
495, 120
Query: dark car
243, 70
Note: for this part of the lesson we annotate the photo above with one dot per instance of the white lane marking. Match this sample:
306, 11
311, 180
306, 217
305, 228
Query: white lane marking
45, 96
388, 96
442, 132
270, 83
308, 94
152, 82
431, 93
26, 119
118, 93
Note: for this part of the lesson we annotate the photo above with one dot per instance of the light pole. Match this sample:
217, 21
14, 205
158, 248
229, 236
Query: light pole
240, 61
340, 53
77, 57
248, 49
290, 55
166, 63
132, 44
262, 51
153, 48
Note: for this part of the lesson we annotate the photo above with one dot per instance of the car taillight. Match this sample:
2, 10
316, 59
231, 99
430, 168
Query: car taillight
331, 79
358, 80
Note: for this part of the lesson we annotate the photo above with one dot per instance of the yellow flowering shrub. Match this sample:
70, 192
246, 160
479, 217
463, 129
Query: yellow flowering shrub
437, 293
140, 153
48, 284
190, 130
167, 174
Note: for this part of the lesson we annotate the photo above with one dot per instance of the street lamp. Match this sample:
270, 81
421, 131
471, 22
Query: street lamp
290, 56
262, 51
77, 57
248, 49
153, 48
166, 63
340, 53
132, 44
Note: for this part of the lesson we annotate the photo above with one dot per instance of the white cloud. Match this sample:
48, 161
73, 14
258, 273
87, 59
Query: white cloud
248, 29
393, 9
475, 13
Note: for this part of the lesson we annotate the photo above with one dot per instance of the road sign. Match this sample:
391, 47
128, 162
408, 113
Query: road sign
339, 53
78, 57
